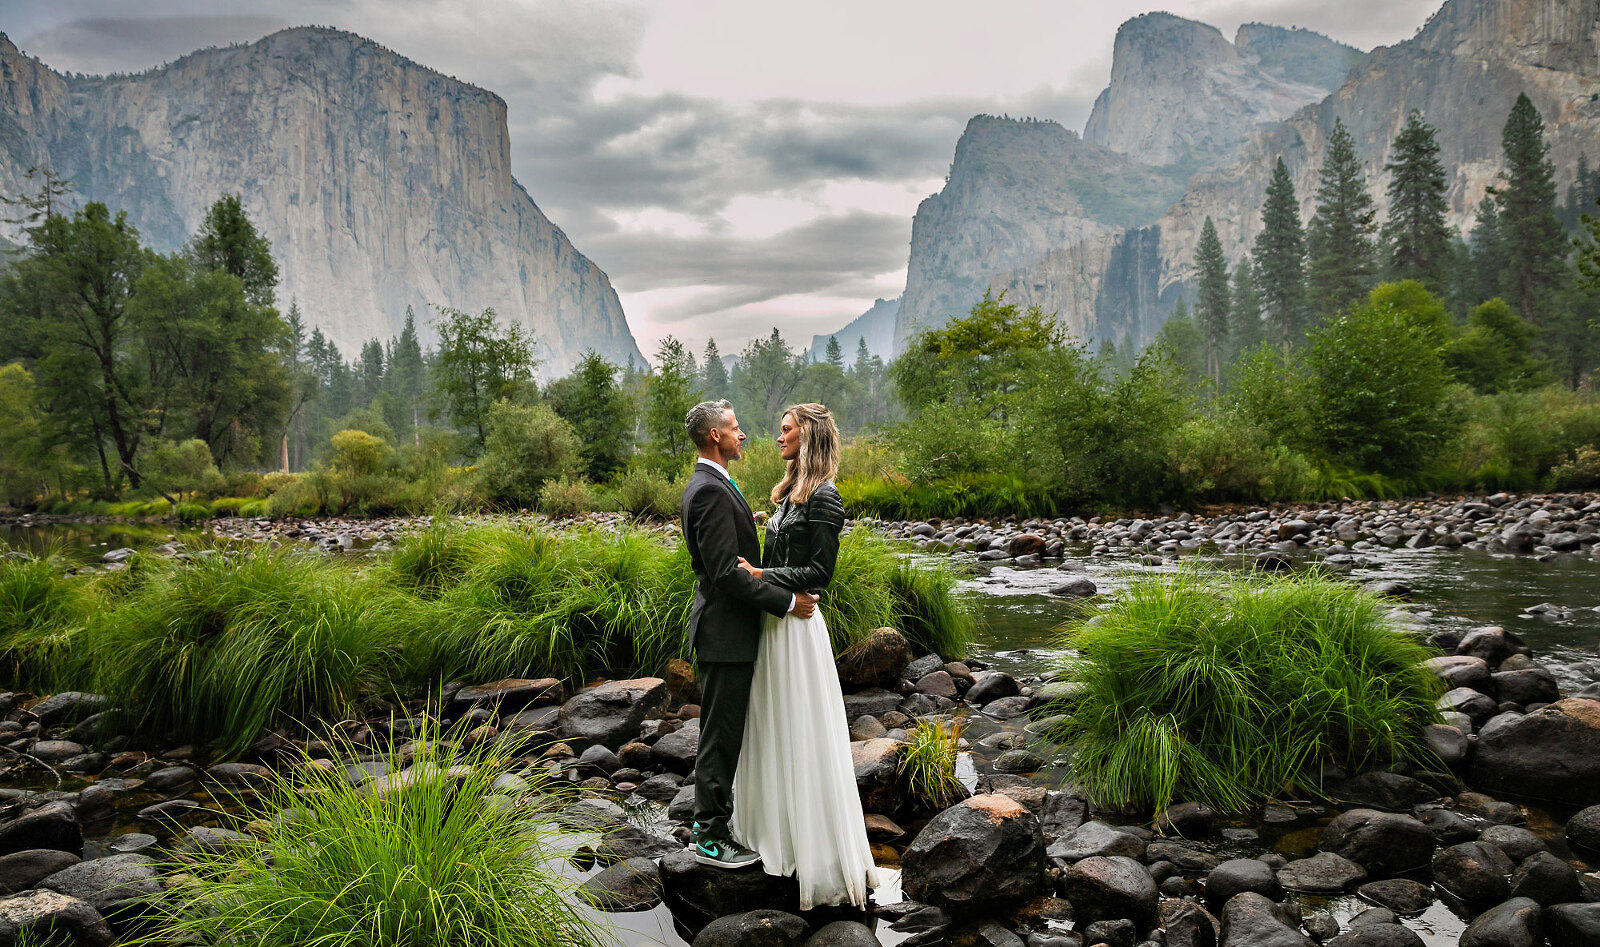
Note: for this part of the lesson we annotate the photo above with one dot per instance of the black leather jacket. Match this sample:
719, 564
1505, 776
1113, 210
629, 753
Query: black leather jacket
803, 542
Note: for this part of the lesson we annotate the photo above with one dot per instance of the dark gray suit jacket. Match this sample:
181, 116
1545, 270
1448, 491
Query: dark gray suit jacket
725, 623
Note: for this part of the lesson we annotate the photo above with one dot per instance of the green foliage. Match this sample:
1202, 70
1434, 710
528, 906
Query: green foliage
590, 400
1534, 246
1213, 309
478, 365
1495, 351
22, 433
645, 493
928, 763
1339, 242
758, 472
764, 381
438, 860
43, 613
228, 242
670, 393
1416, 230
987, 359
184, 468
528, 445
568, 497
359, 453
1230, 690
1280, 259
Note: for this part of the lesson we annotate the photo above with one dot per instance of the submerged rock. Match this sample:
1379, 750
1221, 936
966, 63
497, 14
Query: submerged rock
631, 885
1383, 843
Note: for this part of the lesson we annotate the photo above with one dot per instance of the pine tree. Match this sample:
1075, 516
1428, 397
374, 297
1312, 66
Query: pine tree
1579, 196
1488, 253
1213, 307
1340, 237
1244, 327
714, 374
406, 379
1280, 258
369, 371
835, 354
1416, 229
1535, 247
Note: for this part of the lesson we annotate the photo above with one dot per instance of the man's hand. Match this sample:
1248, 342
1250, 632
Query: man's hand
804, 605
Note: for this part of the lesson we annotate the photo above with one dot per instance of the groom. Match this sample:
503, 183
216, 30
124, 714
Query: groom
725, 623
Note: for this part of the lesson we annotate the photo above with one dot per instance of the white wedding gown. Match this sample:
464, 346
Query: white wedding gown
794, 792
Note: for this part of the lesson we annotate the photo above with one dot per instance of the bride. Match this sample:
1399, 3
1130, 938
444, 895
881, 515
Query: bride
794, 792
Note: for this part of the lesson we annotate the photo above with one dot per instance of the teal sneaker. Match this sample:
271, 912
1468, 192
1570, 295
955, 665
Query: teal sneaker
722, 853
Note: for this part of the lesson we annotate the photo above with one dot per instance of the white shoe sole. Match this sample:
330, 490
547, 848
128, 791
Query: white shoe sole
718, 863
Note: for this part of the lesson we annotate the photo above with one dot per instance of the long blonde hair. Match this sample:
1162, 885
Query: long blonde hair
819, 454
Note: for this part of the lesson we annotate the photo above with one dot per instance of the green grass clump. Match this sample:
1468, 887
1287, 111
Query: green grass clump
429, 561
1230, 690
43, 614
440, 860
228, 644
928, 763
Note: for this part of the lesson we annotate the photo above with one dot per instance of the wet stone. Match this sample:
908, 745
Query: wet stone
1324, 872
1399, 895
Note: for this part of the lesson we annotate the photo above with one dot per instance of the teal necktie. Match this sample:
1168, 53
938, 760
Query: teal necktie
736, 489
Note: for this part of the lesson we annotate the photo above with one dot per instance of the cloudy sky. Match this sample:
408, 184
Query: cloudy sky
733, 165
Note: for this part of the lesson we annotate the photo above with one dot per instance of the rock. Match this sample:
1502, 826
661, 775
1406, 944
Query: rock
1492, 644
1250, 920
1399, 895
1111, 886
1188, 819
509, 695
1095, 838
881, 828
874, 702
877, 772
698, 894
1529, 686
878, 660
52, 825
984, 933
1514, 923
1583, 829
682, 807
1378, 935
54, 751
763, 928
611, 714
1322, 926
1241, 874
1447, 743
68, 707
923, 666
632, 885
1473, 872
1019, 761
1462, 670
1544, 878
843, 934
1389, 588
1322, 873
1078, 586
130, 842
937, 684
1517, 842
241, 774
1380, 789
994, 685
1007, 708
677, 750
1117, 933
1188, 924
599, 758
983, 851
209, 840
1061, 813
41, 912
1383, 843
1464, 700
662, 787
1374, 916
20, 871
1489, 808
171, 779
169, 811
117, 886
1184, 858
1553, 753
1572, 925
1448, 826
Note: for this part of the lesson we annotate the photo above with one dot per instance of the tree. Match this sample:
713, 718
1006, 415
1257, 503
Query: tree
478, 365
1581, 195
1494, 353
405, 379
1244, 327
986, 358
302, 384
1280, 258
1339, 241
590, 400
31, 209
527, 446
714, 374
1214, 307
22, 437
669, 394
369, 370
229, 242
1183, 342
1488, 252
768, 374
1418, 235
1535, 248
835, 354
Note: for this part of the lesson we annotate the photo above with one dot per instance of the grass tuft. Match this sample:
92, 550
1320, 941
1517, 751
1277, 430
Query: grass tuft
1229, 690
928, 763
43, 614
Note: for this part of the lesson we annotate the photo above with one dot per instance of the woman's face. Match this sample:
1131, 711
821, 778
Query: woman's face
788, 438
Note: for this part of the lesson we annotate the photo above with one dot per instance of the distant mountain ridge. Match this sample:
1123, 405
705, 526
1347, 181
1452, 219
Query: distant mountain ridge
381, 183
876, 326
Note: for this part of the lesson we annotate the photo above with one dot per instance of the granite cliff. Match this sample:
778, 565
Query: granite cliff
876, 326
379, 182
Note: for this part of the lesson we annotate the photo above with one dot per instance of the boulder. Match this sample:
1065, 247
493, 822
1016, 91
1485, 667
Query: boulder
1572, 925
119, 887
994, 685
1027, 544
763, 928
52, 825
611, 713
68, 707
1237, 875
878, 660
632, 885
1250, 920
843, 934
1462, 670
1553, 753
1187, 924
1544, 878
1095, 838
936, 684
698, 894
20, 871
1583, 829
1078, 586
1378, 935
509, 695
681, 809
1490, 809
1515, 923
1381, 789
1116, 933
923, 666
1185, 858
1478, 706
1528, 686
41, 912
877, 771
1113, 886
677, 750
1448, 826
54, 751
241, 774
1322, 873
171, 779
1383, 843
1517, 842
874, 702
984, 933
1399, 895
1492, 644
983, 851
1188, 819
1473, 872
1447, 743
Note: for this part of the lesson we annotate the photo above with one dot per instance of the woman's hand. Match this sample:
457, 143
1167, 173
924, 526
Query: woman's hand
746, 566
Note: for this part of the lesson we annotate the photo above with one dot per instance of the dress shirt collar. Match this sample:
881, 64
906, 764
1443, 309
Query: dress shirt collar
717, 467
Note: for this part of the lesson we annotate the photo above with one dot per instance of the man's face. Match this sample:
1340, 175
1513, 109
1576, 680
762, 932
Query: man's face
728, 438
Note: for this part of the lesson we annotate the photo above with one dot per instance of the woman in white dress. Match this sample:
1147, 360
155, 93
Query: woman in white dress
794, 792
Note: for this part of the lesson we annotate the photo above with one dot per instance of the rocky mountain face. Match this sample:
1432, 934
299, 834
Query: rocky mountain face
876, 326
379, 182
1177, 90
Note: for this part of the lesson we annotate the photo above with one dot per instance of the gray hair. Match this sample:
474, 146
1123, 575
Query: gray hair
703, 417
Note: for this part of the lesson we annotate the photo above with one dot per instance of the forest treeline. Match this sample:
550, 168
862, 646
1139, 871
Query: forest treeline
1340, 356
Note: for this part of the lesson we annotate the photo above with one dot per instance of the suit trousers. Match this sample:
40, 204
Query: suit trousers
724, 704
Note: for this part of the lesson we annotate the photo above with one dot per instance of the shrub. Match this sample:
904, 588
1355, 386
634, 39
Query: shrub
566, 497
526, 446
191, 512
1582, 472
303, 495
185, 467
759, 471
643, 493
1229, 690
428, 561
439, 859
251, 508
358, 453
228, 506
43, 613
928, 763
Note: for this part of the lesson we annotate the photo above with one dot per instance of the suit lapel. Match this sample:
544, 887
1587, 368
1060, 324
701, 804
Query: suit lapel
729, 487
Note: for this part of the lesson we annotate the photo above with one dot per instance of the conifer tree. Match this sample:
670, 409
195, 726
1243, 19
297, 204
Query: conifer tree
1534, 246
1244, 329
1213, 306
1280, 259
714, 374
1488, 253
405, 379
1416, 229
835, 354
1339, 239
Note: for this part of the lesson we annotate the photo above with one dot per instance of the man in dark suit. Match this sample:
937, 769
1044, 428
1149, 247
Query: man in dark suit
725, 622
